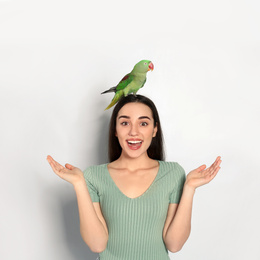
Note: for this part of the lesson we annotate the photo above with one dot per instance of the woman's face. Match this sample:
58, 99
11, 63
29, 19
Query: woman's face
135, 129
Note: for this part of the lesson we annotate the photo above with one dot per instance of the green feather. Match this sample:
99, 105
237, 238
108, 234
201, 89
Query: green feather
116, 98
123, 83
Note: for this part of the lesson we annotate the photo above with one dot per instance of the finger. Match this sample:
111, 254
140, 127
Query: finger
210, 177
215, 162
201, 168
215, 170
69, 166
60, 172
54, 167
49, 158
213, 175
218, 160
215, 165
57, 165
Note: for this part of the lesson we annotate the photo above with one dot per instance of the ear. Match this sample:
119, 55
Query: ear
116, 134
155, 130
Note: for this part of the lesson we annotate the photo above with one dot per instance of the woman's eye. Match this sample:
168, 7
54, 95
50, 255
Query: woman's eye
124, 123
144, 124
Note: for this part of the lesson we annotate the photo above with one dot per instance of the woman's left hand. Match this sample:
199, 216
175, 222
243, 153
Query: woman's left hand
201, 175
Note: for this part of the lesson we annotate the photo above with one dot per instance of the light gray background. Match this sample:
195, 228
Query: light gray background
56, 57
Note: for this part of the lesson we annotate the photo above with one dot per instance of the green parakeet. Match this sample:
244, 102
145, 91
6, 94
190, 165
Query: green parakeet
131, 82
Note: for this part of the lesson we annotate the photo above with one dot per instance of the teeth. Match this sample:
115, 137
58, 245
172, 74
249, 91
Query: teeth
134, 142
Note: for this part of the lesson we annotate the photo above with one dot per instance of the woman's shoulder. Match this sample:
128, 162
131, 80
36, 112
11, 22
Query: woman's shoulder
171, 164
171, 168
94, 170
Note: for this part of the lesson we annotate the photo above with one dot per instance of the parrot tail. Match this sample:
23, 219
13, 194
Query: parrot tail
113, 89
116, 98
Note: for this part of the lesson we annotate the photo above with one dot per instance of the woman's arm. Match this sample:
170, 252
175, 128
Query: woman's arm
178, 229
93, 227
178, 222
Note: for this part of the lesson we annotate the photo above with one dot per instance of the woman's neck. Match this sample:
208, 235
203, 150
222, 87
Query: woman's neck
133, 164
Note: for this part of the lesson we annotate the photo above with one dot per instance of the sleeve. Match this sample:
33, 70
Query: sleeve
179, 179
93, 192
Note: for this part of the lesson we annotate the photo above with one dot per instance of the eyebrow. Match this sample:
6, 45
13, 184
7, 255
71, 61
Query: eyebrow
141, 117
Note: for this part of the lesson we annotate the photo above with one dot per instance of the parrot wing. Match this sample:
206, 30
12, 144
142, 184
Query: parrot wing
125, 81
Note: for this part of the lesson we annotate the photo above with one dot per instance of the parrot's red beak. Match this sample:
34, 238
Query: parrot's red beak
151, 67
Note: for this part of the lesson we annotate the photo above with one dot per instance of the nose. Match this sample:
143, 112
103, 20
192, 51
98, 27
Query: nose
133, 130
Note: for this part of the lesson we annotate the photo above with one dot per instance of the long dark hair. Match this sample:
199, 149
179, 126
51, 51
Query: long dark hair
156, 149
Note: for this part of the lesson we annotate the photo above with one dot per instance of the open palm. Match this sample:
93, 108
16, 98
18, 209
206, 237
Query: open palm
68, 173
203, 175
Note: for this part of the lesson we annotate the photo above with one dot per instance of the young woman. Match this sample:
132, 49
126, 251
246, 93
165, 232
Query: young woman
138, 206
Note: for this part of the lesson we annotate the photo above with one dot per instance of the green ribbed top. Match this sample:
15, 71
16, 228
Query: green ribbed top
135, 225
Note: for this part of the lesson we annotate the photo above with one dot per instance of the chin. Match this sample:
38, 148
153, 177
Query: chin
134, 154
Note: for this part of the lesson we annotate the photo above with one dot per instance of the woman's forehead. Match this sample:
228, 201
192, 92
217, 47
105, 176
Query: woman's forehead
135, 110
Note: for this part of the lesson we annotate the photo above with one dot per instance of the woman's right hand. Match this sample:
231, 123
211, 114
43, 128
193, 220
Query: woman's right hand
68, 173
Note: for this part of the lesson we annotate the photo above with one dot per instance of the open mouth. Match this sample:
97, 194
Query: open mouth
134, 144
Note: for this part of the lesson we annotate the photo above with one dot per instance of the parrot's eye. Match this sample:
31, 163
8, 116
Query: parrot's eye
145, 63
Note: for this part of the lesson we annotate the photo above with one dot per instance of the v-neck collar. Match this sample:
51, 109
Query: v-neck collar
143, 194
